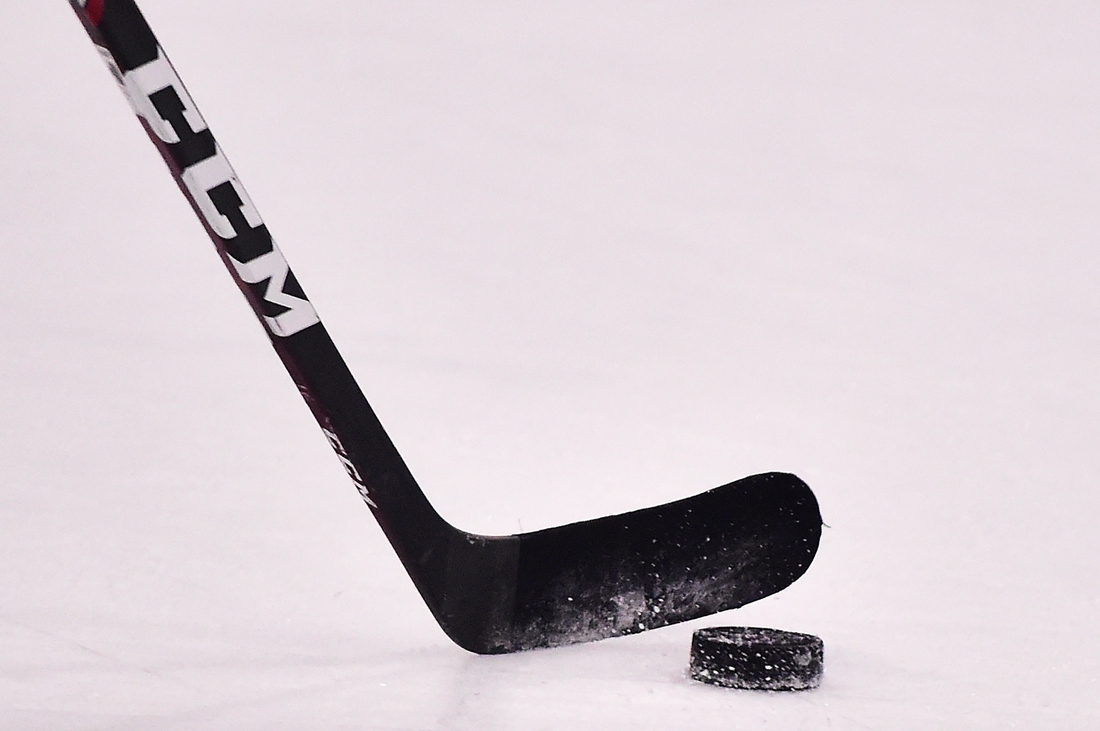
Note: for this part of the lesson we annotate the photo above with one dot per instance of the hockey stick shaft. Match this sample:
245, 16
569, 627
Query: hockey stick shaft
204, 175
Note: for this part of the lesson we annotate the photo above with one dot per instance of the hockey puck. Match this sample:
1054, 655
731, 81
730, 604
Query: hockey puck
757, 658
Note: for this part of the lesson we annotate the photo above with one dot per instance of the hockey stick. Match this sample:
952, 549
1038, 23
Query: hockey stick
490, 594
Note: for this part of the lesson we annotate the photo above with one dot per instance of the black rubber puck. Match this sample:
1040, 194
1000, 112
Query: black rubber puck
757, 658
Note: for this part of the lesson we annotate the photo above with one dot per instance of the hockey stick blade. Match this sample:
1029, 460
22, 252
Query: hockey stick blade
491, 594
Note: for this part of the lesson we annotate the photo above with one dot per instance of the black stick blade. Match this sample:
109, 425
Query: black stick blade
629, 573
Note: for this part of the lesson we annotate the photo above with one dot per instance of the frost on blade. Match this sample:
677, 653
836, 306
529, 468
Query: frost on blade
672, 563
582, 610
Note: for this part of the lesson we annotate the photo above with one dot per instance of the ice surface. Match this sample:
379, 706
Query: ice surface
583, 258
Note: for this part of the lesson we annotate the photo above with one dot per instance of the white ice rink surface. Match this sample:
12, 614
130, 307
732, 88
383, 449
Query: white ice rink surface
583, 258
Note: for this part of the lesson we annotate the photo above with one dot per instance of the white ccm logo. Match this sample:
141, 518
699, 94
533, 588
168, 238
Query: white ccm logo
218, 193
349, 467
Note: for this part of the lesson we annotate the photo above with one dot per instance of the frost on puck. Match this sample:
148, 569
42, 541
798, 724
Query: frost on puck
757, 658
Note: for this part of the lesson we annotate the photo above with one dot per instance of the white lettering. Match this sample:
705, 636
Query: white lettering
200, 178
209, 174
353, 473
144, 81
